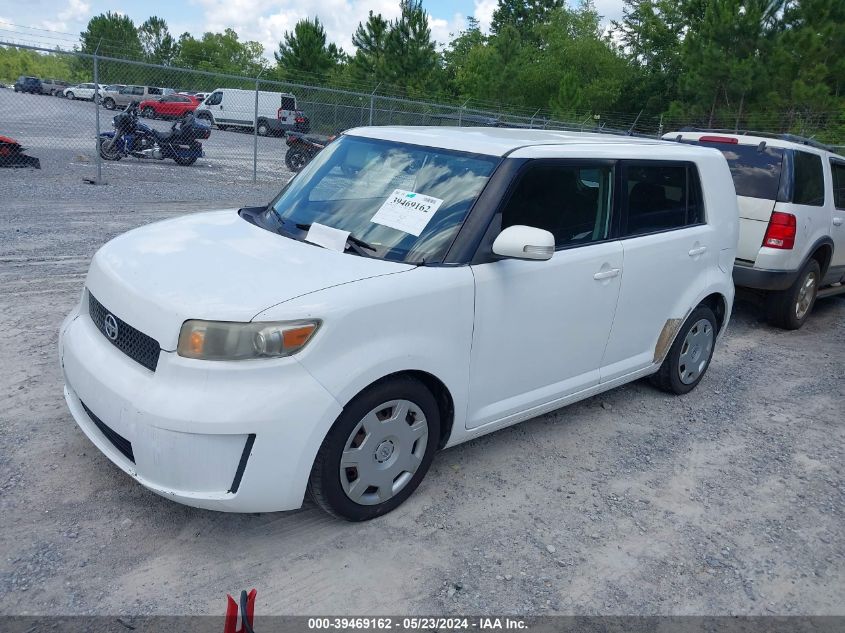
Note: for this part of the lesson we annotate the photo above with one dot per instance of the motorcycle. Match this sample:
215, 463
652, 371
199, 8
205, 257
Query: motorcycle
302, 149
133, 138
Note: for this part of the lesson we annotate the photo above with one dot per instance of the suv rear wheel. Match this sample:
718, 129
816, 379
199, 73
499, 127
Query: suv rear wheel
108, 103
790, 308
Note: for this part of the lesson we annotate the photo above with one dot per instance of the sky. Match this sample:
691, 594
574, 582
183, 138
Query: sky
262, 20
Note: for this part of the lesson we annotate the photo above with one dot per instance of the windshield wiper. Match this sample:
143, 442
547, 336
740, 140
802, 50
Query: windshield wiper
354, 243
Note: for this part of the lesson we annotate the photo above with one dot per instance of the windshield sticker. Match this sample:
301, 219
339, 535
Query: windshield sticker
407, 211
327, 237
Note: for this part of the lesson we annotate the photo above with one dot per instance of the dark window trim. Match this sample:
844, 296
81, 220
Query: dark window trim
793, 179
623, 189
840, 163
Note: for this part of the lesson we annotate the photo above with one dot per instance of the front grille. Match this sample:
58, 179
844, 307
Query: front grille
117, 440
136, 345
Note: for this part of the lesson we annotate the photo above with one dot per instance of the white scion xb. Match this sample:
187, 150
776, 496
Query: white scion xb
410, 289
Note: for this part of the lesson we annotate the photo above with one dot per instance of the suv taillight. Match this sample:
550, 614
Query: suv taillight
781, 231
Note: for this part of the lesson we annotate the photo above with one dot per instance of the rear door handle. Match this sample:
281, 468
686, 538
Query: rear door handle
606, 274
698, 250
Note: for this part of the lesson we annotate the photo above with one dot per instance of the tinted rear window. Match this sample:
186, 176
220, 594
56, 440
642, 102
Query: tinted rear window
838, 170
756, 173
809, 179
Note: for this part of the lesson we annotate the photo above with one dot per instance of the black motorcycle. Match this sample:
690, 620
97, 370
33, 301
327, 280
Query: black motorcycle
134, 138
303, 148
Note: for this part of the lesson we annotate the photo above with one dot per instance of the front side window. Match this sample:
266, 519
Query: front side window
407, 202
661, 197
216, 98
571, 201
809, 179
838, 171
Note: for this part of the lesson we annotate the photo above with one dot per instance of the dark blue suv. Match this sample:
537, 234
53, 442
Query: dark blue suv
29, 84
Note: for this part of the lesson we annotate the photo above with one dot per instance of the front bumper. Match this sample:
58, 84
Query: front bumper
747, 276
237, 437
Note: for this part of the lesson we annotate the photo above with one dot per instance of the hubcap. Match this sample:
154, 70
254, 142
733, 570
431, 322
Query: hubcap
806, 294
695, 351
383, 452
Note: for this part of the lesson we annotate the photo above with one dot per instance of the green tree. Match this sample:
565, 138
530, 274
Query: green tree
523, 15
221, 52
304, 50
114, 34
370, 41
158, 44
411, 61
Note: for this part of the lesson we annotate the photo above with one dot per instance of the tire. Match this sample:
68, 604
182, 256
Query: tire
382, 422
70, 96
790, 308
106, 155
296, 159
263, 128
148, 113
690, 354
185, 162
108, 103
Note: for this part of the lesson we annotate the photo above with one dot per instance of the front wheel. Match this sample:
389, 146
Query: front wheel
148, 113
71, 96
378, 450
296, 159
108, 103
789, 309
690, 354
107, 149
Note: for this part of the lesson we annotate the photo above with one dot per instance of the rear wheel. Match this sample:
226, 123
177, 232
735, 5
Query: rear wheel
378, 450
185, 161
790, 308
108, 103
690, 354
263, 128
70, 95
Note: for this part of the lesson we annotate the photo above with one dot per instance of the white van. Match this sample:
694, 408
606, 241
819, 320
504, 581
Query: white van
413, 288
230, 107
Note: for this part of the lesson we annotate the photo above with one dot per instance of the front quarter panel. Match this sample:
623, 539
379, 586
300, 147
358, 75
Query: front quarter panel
418, 320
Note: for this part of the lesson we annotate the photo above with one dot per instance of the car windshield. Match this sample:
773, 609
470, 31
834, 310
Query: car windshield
405, 202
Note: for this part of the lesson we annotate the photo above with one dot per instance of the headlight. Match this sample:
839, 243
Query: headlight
222, 340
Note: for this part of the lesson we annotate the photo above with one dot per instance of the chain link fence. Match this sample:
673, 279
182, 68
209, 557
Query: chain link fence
59, 121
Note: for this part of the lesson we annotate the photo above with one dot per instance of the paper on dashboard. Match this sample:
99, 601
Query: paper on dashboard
407, 211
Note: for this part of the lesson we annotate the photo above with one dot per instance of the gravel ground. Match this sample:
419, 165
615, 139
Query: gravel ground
725, 501
62, 133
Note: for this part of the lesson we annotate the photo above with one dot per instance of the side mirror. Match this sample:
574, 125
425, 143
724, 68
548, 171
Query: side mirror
524, 242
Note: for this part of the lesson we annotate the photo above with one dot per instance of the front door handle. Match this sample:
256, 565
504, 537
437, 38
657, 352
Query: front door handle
837, 221
698, 250
606, 274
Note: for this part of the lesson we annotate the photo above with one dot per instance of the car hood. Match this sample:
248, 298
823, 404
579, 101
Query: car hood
214, 266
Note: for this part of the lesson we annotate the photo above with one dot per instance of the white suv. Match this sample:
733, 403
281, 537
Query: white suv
409, 290
791, 194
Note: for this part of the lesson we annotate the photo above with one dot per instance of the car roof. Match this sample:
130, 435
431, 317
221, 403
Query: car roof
496, 141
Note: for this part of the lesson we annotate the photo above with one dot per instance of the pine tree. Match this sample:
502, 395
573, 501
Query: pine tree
304, 50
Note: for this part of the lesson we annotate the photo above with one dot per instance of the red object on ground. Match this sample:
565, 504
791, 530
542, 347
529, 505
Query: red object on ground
248, 601
171, 105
